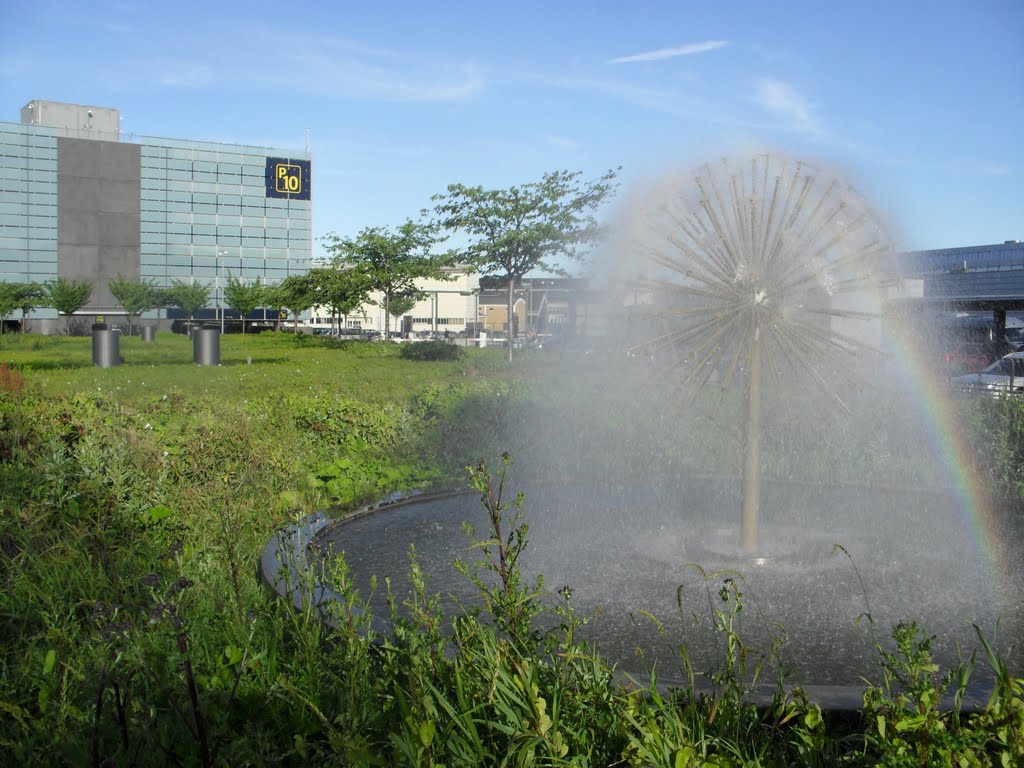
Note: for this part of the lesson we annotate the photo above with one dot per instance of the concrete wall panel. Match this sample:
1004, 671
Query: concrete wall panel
100, 201
121, 196
77, 227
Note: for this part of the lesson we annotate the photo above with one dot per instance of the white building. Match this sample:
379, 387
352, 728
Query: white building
448, 307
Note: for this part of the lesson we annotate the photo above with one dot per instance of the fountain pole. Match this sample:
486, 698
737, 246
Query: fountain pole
752, 458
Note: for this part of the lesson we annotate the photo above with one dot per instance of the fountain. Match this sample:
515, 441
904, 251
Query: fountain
734, 423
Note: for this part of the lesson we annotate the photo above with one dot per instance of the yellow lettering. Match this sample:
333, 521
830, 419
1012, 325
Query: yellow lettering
288, 178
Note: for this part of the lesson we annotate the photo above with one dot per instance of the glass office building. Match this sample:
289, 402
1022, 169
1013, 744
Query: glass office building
979, 273
28, 203
79, 201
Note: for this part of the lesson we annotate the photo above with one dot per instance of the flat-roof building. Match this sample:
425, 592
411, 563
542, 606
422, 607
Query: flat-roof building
988, 276
78, 200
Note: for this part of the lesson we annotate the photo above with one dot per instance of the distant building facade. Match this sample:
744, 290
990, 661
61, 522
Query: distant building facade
448, 306
78, 201
975, 273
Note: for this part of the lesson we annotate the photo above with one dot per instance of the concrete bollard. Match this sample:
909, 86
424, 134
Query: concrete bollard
148, 333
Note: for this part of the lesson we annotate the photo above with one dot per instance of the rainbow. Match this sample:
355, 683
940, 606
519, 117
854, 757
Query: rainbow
972, 498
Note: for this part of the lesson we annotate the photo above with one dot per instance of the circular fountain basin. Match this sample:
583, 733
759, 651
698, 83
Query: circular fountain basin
837, 568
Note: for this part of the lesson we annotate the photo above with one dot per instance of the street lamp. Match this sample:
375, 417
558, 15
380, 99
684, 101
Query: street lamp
220, 296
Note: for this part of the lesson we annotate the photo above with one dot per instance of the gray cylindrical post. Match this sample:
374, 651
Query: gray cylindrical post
106, 348
206, 346
148, 333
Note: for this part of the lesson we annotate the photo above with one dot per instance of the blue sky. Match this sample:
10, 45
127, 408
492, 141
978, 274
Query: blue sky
920, 105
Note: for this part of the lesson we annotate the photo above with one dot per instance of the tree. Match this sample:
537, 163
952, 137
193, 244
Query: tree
135, 296
243, 297
8, 302
295, 293
28, 296
342, 291
391, 261
67, 297
188, 297
516, 230
402, 303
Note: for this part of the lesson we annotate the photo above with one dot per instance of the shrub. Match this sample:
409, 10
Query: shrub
432, 350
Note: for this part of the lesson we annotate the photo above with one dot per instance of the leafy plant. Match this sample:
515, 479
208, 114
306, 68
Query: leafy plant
432, 350
907, 721
511, 602
359, 478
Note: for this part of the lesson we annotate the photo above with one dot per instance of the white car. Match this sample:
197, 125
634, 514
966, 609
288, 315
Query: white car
1004, 376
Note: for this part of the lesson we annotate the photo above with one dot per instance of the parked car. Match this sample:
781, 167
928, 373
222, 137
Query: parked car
1004, 376
968, 357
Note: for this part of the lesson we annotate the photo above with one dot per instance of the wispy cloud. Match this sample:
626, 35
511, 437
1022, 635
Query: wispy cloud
330, 66
354, 77
346, 67
785, 101
562, 142
996, 170
670, 53
186, 74
686, 106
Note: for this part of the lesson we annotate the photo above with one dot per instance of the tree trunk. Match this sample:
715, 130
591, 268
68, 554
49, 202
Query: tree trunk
387, 316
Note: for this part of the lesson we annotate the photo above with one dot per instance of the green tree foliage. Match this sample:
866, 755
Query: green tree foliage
296, 294
391, 261
8, 301
243, 297
28, 296
516, 230
402, 303
67, 297
188, 297
135, 296
342, 291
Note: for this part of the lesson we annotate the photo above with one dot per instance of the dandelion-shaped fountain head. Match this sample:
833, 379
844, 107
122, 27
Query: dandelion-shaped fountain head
757, 269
